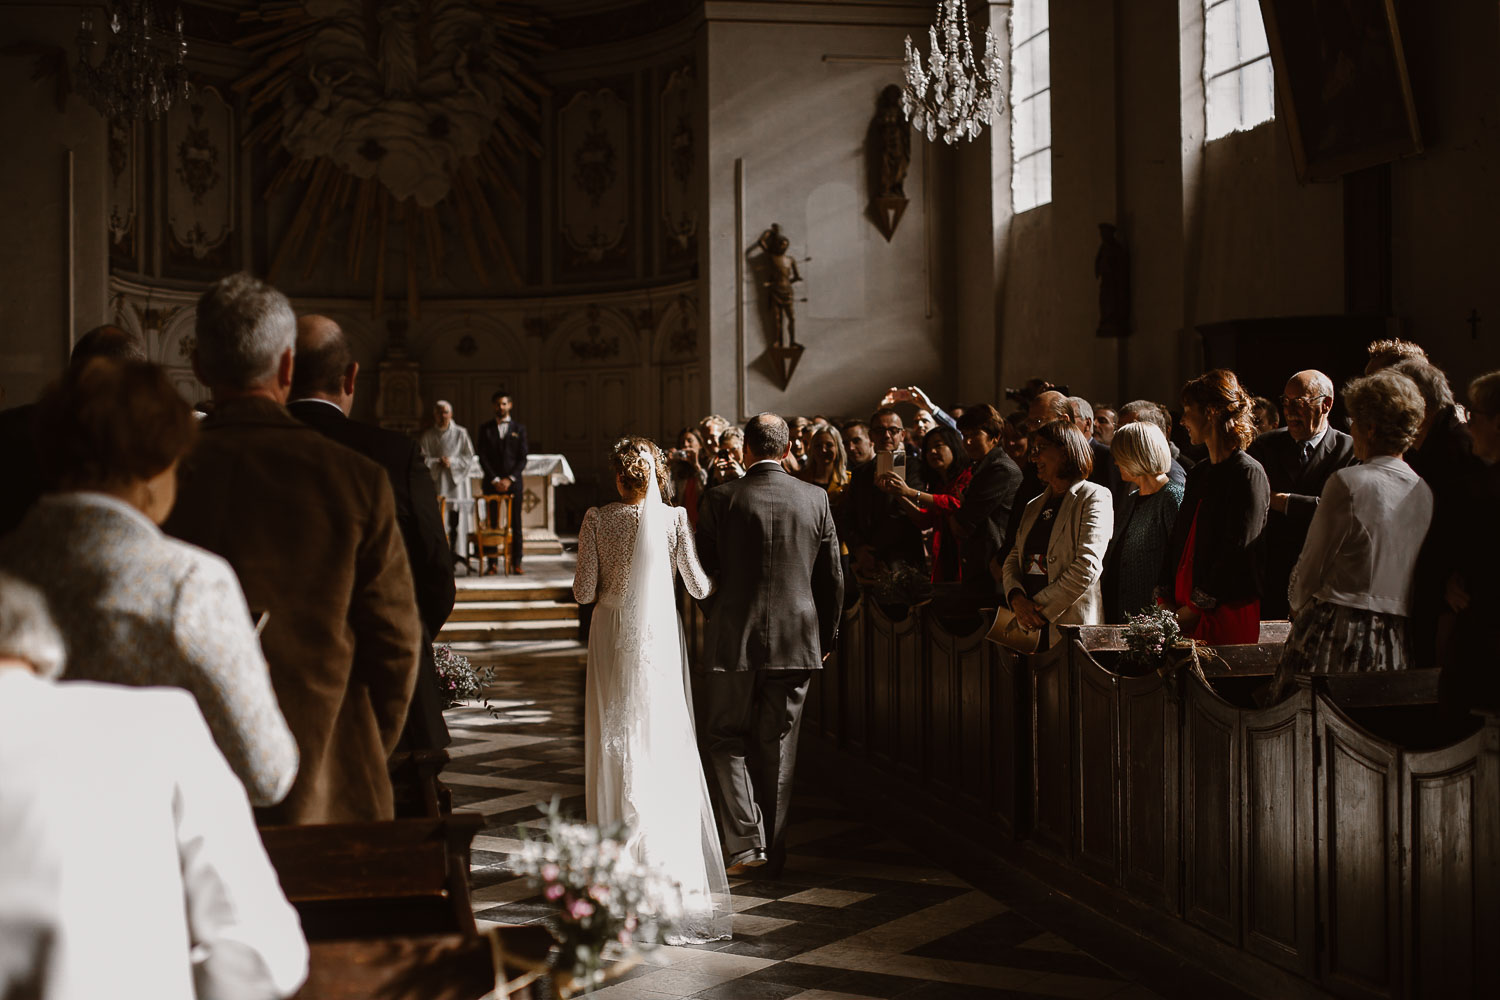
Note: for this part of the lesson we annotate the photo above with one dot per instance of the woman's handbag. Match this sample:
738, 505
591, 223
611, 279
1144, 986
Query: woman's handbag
1010, 633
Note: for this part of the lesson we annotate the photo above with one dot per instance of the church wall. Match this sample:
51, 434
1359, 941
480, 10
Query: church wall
1051, 297
52, 275
1226, 230
1445, 203
1217, 232
787, 102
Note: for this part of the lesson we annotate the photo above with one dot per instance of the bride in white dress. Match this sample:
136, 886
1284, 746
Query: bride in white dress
641, 761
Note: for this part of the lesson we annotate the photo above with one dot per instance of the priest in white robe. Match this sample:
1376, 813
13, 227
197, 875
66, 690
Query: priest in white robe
450, 458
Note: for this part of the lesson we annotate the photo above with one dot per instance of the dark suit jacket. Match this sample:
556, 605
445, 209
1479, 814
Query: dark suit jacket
769, 542
984, 519
502, 459
1105, 472
1029, 489
426, 546
310, 529
1230, 500
21, 484
870, 516
1277, 452
1443, 462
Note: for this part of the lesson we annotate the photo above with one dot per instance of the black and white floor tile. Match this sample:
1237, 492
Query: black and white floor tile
856, 914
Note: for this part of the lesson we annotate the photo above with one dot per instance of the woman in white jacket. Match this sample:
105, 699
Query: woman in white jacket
1053, 571
1351, 591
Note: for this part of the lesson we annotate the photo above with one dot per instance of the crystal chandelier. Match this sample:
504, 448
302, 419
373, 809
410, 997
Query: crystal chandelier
953, 95
144, 66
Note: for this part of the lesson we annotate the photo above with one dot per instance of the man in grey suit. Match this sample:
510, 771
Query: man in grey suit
1298, 459
769, 542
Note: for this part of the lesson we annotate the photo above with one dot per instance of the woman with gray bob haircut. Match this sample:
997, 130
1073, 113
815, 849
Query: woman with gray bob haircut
1143, 524
1351, 591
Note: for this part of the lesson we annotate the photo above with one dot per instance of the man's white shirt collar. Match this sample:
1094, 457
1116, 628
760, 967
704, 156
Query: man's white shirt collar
319, 399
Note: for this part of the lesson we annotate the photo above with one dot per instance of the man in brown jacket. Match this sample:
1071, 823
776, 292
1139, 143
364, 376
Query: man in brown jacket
310, 528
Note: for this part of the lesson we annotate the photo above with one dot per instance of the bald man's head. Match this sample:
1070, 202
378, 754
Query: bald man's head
1047, 407
108, 341
1308, 399
325, 365
767, 436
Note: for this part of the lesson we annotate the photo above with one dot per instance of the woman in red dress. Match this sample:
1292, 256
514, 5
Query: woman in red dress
948, 473
1212, 573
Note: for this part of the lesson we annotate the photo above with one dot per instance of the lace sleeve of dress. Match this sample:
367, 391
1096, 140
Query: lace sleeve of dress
586, 577
694, 577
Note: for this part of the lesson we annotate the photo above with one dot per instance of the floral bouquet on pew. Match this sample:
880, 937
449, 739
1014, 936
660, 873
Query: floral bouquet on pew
1154, 640
609, 905
1150, 636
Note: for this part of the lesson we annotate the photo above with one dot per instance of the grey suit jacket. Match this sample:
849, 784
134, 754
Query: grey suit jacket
769, 543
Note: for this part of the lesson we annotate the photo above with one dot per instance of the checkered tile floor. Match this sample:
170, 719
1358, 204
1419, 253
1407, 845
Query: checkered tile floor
856, 914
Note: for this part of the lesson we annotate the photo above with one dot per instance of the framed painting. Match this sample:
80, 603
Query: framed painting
1341, 74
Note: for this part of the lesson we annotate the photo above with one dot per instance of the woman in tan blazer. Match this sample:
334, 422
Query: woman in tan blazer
1053, 571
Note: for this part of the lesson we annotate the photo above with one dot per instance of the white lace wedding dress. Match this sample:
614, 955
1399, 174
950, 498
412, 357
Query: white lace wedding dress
641, 755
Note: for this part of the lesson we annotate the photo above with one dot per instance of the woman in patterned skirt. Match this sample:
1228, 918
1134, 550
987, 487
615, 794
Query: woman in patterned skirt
1352, 588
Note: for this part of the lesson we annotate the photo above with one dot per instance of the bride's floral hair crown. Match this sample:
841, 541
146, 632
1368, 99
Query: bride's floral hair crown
631, 459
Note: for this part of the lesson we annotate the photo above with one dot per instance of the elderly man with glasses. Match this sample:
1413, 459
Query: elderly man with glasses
1298, 460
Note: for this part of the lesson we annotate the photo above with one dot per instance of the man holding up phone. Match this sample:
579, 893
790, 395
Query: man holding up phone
872, 523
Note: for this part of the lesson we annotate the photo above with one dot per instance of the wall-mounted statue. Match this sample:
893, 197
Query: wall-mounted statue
888, 151
778, 272
782, 272
1112, 268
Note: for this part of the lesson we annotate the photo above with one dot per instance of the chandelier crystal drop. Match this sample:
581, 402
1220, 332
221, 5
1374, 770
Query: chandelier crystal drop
144, 68
953, 95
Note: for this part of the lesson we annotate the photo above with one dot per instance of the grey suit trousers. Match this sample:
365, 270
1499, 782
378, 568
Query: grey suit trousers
747, 724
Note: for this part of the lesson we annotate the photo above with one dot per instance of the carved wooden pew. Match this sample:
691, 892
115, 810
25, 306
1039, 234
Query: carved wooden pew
422, 967
371, 880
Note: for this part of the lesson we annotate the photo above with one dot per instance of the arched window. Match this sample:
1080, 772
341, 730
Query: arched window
1237, 80
1030, 105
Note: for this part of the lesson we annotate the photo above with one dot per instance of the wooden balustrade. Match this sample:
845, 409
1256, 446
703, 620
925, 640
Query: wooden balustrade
1300, 841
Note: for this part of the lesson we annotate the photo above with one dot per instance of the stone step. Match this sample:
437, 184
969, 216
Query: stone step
507, 631
525, 592
512, 611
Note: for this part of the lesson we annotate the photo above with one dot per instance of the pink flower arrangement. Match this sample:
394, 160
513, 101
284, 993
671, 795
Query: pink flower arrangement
606, 899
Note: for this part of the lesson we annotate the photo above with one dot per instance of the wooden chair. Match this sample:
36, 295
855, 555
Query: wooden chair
369, 880
491, 529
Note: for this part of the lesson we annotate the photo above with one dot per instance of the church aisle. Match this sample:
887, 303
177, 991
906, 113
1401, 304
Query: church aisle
856, 914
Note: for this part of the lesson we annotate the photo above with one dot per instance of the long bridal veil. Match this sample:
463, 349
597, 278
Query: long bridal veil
647, 727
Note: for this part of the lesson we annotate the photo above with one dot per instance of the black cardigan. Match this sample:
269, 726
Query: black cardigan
1231, 499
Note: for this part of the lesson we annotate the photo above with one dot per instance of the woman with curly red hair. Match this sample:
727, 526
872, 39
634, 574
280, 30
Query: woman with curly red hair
1212, 573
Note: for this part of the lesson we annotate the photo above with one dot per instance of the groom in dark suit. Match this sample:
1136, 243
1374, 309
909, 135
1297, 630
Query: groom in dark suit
502, 448
769, 542
1298, 459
